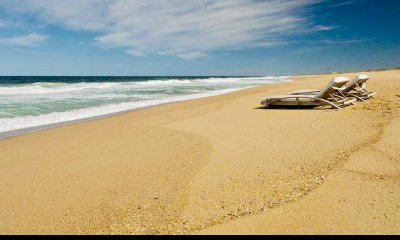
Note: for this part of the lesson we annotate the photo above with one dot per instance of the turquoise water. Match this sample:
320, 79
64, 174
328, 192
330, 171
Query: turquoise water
36, 101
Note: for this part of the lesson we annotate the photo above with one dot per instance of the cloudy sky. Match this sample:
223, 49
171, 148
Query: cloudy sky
197, 37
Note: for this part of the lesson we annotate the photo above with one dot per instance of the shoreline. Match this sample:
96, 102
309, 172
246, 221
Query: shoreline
18, 132
14, 133
214, 165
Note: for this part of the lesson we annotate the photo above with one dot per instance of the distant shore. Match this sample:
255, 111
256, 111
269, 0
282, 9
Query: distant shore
215, 165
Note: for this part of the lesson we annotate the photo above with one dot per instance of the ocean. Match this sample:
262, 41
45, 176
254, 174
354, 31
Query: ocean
29, 102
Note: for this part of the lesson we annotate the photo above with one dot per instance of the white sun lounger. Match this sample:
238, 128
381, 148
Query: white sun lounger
356, 89
327, 96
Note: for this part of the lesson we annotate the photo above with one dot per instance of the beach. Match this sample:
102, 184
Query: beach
215, 165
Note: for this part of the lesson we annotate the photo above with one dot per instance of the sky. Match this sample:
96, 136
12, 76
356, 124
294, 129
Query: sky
197, 37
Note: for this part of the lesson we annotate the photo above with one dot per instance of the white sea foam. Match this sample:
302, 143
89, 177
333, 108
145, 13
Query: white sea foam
36, 88
164, 82
49, 88
41, 104
10, 124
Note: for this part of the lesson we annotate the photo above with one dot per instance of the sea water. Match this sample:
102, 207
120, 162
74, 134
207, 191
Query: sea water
27, 102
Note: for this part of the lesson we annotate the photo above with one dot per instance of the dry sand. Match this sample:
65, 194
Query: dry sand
216, 165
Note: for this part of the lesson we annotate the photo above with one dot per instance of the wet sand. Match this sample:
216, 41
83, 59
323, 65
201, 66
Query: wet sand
218, 165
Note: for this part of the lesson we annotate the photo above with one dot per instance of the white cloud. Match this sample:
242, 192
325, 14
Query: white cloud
76, 15
344, 41
135, 53
324, 28
185, 28
29, 40
191, 55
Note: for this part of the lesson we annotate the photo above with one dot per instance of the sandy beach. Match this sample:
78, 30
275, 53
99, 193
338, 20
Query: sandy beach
217, 165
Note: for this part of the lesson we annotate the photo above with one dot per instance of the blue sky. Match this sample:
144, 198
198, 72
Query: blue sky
202, 37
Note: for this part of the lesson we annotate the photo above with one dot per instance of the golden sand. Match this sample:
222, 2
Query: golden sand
218, 165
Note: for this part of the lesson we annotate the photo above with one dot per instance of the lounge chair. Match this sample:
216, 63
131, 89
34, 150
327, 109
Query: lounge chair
328, 96
356, 89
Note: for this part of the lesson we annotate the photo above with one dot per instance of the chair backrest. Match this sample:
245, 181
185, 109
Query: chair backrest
338, 82
360, 80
